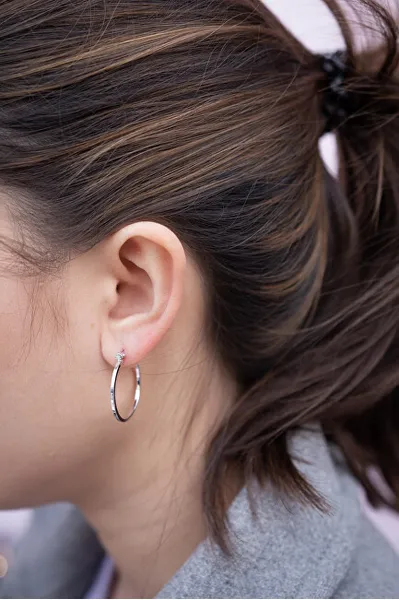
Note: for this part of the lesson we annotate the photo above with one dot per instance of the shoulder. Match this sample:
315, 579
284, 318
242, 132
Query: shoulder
373, 571
284, 549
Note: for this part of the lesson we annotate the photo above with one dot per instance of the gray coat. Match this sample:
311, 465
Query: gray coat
290, 551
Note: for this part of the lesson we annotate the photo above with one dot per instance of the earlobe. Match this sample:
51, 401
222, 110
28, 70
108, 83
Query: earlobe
147, 263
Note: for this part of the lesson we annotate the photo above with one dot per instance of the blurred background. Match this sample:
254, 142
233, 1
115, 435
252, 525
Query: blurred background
312, 23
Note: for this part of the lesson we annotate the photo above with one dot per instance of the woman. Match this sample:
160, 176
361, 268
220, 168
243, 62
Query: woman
200, 327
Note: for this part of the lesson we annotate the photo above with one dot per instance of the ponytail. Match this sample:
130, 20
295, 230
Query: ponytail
342, 366
366, 422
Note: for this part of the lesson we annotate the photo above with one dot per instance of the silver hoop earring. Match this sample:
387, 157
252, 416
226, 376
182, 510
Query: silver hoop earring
119, 361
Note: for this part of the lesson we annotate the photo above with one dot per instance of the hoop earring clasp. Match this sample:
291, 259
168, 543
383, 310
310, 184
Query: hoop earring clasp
119, 361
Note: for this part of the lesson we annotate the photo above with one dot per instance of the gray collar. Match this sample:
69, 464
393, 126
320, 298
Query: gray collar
291, 551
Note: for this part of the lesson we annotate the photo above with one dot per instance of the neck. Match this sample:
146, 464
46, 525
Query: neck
147, 507
150, 533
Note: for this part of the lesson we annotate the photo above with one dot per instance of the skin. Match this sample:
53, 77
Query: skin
139, 483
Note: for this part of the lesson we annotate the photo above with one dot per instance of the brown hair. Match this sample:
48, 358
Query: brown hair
206, 116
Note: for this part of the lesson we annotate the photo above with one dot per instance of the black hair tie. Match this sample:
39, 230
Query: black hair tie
336, 104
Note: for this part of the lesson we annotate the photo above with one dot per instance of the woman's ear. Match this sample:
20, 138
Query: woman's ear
146, 264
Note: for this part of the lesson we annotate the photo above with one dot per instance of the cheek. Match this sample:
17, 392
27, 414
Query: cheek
13, 316
54, 406
24, 386
28, 342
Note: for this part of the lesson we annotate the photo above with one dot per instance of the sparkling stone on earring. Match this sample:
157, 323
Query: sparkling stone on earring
120, 356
